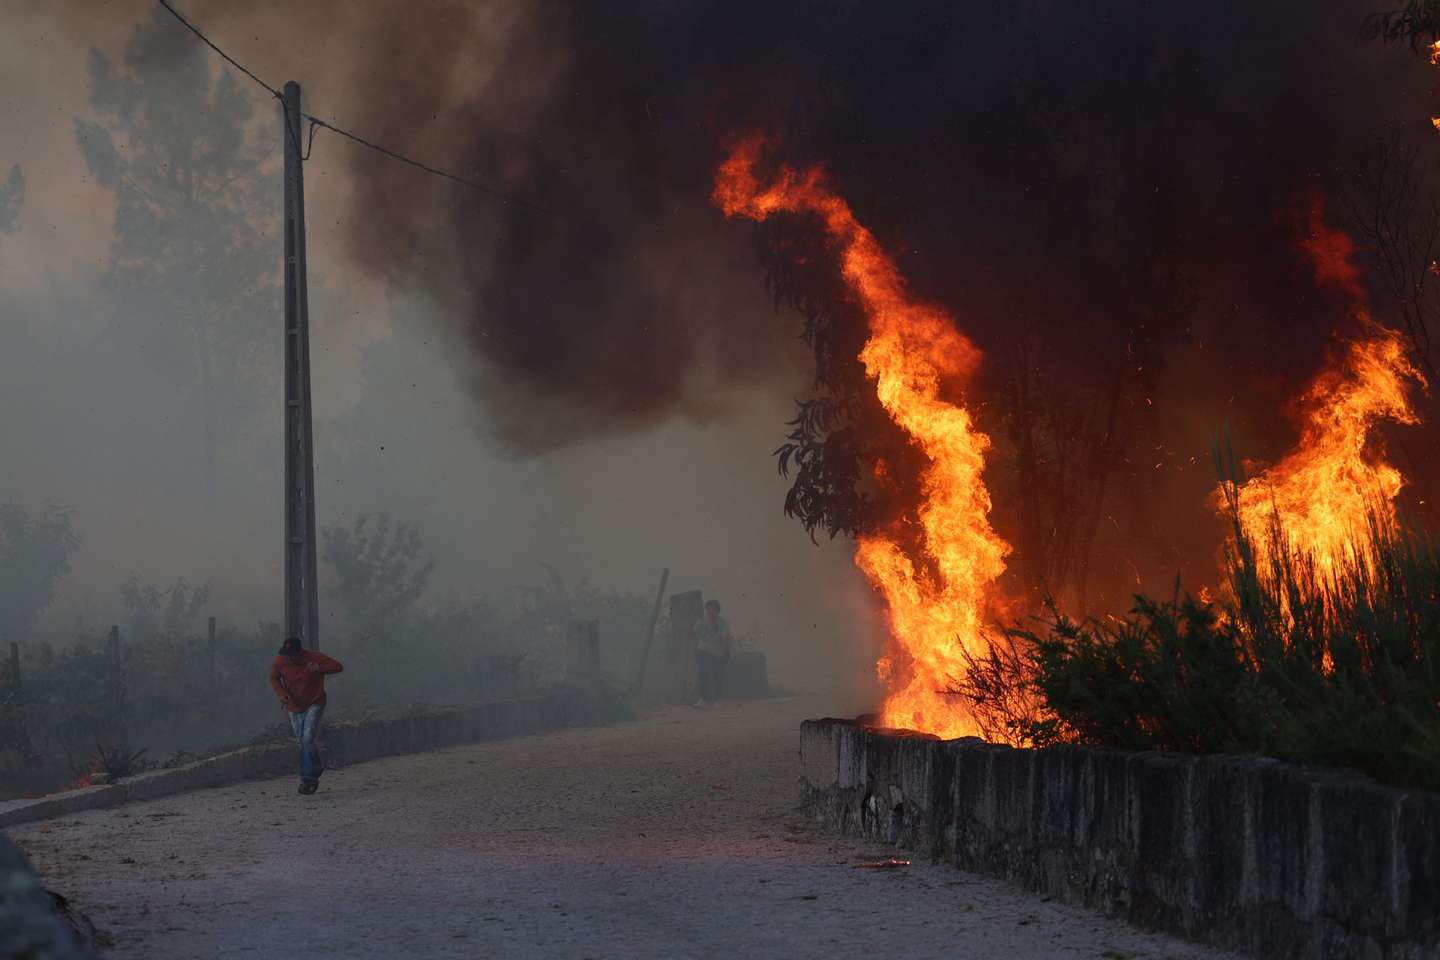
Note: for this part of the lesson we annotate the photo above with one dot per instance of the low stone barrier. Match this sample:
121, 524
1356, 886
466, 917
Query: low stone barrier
1252, 854
343, 743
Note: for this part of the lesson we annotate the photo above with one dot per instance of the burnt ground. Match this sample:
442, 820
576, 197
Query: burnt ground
673, 836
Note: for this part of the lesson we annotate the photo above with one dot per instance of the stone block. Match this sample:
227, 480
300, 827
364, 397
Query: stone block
820, 754
1417, 840
1360, 870
1014, 776
1286, 836
850, 756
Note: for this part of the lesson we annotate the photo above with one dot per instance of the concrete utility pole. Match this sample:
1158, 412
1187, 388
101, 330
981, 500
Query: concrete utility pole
302, 611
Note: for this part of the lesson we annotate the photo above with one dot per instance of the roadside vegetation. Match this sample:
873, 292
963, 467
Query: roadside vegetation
153, 690
1338, 670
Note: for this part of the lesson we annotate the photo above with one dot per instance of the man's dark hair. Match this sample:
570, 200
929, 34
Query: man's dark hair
291, 647
712, 605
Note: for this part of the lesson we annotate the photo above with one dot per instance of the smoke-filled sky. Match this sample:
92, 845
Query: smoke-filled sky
600, 385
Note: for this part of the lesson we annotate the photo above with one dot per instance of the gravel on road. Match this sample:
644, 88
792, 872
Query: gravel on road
673, 836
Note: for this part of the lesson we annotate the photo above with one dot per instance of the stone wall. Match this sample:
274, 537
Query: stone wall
342, 744
1271, 859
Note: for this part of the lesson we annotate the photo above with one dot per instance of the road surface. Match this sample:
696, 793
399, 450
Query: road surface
670, 837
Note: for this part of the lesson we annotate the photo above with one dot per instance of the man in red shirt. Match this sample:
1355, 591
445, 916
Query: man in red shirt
298, 678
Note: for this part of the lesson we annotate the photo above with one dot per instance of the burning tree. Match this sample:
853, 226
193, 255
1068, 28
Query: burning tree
938, 578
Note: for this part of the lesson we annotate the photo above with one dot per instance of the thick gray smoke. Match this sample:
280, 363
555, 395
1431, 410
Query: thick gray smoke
121, 435
1113, 189
600, 385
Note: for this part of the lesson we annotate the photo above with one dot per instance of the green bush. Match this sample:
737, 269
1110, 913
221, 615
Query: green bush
117, 761
1339, 670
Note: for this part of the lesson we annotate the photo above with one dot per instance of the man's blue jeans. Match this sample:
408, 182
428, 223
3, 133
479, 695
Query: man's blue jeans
306, 727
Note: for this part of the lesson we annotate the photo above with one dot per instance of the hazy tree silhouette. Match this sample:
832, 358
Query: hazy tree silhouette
191, 272
12, 198
153, 612
379, 573
34, 558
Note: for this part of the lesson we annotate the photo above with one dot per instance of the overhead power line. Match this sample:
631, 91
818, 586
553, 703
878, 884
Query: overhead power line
315, 122
228, 59
507, 198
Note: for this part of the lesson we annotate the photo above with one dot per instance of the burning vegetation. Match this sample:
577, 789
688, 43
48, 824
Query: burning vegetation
1315, 536
1316, 504
938, 602
1121, 267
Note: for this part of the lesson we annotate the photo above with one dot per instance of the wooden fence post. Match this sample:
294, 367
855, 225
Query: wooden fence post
21, 733
650, 633
117, 683
210, 658
685, 610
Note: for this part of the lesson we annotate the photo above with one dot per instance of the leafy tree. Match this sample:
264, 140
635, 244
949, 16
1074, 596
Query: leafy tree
1416, 23
1066, 428
840, 432
12, 198
34, 558
379, 572
191, 270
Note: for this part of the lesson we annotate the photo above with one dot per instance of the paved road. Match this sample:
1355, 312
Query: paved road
671, 837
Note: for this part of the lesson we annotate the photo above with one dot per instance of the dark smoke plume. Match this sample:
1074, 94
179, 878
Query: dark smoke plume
1110, 196
994, 147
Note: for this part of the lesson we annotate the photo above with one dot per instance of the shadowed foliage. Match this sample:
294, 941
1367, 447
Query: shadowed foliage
1416, 23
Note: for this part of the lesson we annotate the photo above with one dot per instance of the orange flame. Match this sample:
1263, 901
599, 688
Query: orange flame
1324, 491
913, 350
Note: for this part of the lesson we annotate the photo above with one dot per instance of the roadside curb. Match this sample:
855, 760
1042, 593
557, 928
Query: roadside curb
344, 743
